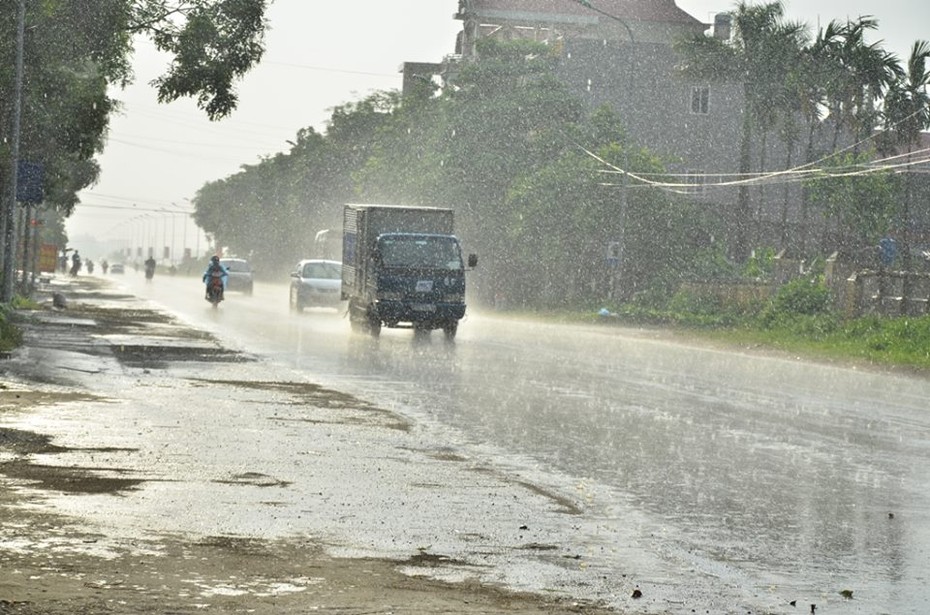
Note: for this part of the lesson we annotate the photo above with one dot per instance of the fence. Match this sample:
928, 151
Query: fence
886, 293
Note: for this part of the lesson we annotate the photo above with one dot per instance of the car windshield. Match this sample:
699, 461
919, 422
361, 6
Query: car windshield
322, 271
422, 252
237, 266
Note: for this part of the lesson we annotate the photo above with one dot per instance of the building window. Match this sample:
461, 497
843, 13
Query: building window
695, 180
700, 100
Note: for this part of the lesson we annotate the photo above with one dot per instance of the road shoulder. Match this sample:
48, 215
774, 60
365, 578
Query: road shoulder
102, 349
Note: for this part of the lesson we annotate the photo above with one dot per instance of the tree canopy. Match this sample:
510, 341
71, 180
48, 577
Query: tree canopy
75, 50
505, 146
838, 86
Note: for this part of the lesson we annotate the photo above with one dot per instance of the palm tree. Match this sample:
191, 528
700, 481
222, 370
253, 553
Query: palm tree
855, 77
860, 74
762, 53
812, 75
907, 104
907, 113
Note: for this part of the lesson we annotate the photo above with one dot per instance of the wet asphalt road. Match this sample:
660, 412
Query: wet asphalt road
769, 479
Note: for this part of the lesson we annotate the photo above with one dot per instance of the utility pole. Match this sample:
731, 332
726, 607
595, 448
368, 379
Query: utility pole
625, 172
9, 234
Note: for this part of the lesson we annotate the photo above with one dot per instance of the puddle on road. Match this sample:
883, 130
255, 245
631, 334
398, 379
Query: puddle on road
155, 356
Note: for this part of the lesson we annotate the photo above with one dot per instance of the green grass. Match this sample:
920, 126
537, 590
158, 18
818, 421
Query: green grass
880, 347
796, 320
902, 342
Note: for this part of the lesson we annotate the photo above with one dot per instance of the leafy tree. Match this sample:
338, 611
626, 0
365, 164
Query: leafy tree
213, 44
861, 199
74, 51
502, 148
506, 117
405, 164
502, 118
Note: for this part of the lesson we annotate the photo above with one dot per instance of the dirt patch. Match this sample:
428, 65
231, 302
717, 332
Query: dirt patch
254, 479
227, 574
26, 442
136, 336
563, 504
15, 399
120, 317
64, 479
318, 397
67, 479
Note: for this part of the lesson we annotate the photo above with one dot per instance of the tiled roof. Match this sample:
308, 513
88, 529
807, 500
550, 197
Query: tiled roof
632, 10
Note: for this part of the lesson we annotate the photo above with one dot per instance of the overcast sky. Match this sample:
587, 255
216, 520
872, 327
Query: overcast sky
321, 54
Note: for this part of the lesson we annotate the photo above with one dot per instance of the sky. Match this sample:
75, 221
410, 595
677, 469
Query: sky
319, 54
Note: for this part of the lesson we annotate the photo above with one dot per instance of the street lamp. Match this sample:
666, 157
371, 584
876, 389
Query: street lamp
188, 214
624, 176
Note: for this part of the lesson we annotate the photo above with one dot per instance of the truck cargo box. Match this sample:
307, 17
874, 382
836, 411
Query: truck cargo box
362, 223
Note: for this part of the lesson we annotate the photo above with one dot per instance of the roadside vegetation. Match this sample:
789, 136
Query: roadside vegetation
10, 335
796, 318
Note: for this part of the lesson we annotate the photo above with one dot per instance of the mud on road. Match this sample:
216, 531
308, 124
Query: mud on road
52, 564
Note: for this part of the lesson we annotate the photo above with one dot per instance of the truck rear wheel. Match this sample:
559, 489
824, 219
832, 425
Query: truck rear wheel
374, 326
450, 329
358, 318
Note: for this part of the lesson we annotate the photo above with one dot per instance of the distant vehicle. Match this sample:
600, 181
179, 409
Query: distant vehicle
327, 245
315, 283
240, 275
117, 268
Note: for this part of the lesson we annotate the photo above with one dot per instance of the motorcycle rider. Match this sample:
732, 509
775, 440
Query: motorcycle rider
150, 266
215, 266
75, 264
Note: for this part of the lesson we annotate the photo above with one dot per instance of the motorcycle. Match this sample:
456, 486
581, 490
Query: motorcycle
215, 288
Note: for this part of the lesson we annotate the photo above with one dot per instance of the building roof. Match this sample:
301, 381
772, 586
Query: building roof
665, 11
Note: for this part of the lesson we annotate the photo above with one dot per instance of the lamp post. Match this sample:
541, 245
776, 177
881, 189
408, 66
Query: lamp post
182, 212
9, 207
624, 177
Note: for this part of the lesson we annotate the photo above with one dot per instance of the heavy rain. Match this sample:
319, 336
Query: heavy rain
624, 303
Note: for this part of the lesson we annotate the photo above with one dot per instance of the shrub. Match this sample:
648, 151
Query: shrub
802, 296
10, 335
761, 264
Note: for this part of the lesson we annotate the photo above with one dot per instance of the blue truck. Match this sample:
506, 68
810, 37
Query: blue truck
402, 267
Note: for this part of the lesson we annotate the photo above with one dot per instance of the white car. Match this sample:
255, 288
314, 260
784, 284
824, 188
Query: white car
240, 275
316, 283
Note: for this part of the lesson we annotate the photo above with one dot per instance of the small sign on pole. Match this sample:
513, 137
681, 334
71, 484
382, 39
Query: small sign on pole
29, 179
613, 254
48, 258
888, 250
